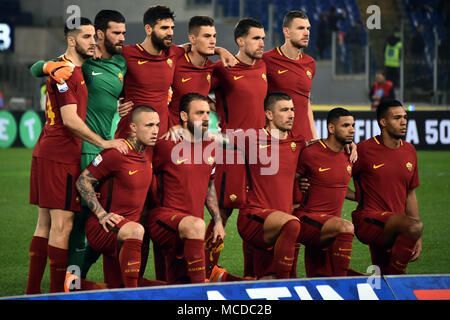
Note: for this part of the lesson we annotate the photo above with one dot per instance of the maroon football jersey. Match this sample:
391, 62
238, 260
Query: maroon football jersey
188, 78
125, 181
383, 176
240, 92
328, 174
147, 82
57, 142
293, 77
183, 171
272, 167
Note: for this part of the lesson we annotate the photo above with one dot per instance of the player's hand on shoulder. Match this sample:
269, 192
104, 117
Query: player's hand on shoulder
351, 149
60, 71
175, 133
118, 144
303, 183
123, 108
228, 59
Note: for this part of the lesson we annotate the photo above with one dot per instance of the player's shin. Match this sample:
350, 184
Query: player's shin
195, 259
130, 262
402, 251
38, 261
341, 250
284, 249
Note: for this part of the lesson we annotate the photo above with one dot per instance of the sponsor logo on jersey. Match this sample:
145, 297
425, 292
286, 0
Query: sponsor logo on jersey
62, 87
142, 62
97, 160
324, 169
132, 172
96, 73
238, 77
185, 80
282, 71
376, 166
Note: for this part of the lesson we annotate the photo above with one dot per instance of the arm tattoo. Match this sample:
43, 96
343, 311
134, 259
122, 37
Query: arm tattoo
212, 204
86, 189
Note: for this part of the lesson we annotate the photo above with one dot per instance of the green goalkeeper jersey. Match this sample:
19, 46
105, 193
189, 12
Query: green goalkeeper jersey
104, 81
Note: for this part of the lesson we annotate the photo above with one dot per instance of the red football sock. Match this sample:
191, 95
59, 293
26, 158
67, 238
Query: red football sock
130, 262
341, 251
284, 249
402, 251
212, 250
195, 259
58, 266
38, 261
248, 259
112, 274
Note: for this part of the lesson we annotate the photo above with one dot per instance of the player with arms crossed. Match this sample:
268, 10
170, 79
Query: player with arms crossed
58, 150
385, 176
327, 237
124, 180
184, 172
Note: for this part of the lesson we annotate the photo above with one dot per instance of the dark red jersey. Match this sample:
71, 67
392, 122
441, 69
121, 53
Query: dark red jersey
383, 176
240, 92
57, 142
272, 165
293, 77
328, 174
183, 171
125, 181
188, 78
147, 82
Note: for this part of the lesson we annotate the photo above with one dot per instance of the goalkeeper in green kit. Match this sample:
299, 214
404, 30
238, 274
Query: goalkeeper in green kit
104, 79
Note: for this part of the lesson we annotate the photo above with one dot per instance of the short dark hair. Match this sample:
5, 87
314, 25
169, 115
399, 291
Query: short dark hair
138, 110
103, 18
243, 26
336, 113
83, 22
273, 97
384, 106
186, 100
291, 15
199, 21
157, 13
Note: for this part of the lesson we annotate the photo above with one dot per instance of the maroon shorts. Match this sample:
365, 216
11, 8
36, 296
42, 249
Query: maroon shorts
250, 224
230, 180
369, 226
99, 239
52, 184
311, 225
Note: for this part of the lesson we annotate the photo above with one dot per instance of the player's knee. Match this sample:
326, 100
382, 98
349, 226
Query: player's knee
192, 228
346, 226
415, 229
132, 230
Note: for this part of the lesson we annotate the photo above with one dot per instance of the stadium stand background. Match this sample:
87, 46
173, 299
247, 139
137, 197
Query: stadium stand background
37, 33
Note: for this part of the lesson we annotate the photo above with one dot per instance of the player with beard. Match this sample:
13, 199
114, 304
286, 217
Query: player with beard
385, 176
240, 93
58, 151
326, 236
104, 81
151, 66
184, 172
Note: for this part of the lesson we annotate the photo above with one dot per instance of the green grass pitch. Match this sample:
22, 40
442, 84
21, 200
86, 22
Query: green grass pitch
18, 220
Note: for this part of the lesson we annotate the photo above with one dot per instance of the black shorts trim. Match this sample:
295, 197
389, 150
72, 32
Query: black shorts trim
376, 222
311, 222
165, 226
255, 218
68, 202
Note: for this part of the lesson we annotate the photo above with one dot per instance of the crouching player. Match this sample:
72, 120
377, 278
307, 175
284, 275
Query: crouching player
113, 227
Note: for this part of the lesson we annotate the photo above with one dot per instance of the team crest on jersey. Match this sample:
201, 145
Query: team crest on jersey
293, 146
210, 160
208, 78
309, 74
120, 75
409, 166
349, 170
233, 197
170, 62
97, 160
264, 77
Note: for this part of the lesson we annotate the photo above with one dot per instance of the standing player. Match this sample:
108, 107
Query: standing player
291, 71
193, 71
240, 93
327, 237
184, 174
151, 66
124, 183
104, 80
266, 221
58, 151
385, 176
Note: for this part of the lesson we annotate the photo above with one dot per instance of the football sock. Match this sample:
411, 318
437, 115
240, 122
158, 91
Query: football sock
212, 250
130, 262
341, 251
195, 259
284, 249
58, 265
111, 272
402, 251
38, 261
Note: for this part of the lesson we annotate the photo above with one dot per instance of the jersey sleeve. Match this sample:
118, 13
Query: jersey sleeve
36, 68
104, 164
65, 92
